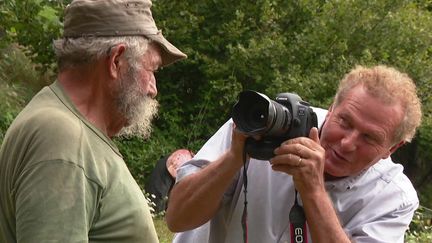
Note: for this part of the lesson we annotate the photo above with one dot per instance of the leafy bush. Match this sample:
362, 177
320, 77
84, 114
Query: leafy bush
142, 155
421, 227
285, 46
33, 24
269, 46
18, 82
9, 107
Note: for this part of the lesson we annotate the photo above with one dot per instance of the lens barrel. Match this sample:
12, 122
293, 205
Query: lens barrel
255, 114
268, 123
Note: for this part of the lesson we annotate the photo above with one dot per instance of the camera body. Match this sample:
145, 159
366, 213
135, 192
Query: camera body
272, 122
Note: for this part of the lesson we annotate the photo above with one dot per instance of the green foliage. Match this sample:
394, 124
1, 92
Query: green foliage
164, 234
272, 46
18, 82
9, 107
294, 46
141, 155
425, 195
17, 69
284, 46
421, 227
34, 24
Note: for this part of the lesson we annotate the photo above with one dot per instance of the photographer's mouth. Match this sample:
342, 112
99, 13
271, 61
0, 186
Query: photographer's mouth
338, 157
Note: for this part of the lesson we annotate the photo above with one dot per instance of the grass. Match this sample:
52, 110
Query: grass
164, 234
421, 235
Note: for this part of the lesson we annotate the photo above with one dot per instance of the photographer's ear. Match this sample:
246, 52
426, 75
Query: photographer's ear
393, 149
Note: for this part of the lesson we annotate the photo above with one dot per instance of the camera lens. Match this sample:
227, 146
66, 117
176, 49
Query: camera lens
273, 121
280, 119
256, 114
253, 116
258, 118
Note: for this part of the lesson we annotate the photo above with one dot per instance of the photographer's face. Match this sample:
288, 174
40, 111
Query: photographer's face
358, 133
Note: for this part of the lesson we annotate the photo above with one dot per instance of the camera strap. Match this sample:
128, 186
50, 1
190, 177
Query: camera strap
244, 215
297, 218
298, 228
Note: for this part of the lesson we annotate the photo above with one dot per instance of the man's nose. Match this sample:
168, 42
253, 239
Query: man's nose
153, 87
349, 141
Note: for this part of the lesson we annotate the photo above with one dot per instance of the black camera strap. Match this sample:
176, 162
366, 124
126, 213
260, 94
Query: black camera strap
244, 215
298, 228
297, 218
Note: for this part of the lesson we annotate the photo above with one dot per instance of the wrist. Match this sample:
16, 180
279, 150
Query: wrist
312, 193
234, 158
310, 187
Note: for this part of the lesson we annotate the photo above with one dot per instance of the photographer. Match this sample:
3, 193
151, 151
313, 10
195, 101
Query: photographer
347, 184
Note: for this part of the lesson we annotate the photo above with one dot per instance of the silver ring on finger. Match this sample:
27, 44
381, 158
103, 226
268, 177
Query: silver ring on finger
299, 162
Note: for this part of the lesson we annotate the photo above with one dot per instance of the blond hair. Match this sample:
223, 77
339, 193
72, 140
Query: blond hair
390, 86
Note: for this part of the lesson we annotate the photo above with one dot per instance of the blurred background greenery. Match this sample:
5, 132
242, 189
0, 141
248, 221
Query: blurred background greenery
272, 46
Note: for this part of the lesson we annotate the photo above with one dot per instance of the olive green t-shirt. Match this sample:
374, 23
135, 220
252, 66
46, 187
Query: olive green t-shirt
63, 180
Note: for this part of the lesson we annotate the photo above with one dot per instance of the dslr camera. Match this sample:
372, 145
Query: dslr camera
272, 122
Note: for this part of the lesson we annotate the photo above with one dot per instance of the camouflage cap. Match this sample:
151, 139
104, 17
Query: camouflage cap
85, 18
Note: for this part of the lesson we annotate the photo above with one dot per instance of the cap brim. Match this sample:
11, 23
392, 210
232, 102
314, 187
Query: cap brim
170, 53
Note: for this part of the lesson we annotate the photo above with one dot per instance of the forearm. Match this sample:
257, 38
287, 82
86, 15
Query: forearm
322, 219
196, 199
304, 159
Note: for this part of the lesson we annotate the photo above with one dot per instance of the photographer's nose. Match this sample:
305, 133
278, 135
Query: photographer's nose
348, 142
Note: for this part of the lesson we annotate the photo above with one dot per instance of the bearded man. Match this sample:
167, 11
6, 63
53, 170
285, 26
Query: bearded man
62, 179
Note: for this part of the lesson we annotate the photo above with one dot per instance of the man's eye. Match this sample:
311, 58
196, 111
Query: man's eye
369, 139
343, 122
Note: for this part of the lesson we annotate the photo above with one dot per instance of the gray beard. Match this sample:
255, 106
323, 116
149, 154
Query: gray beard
138, 108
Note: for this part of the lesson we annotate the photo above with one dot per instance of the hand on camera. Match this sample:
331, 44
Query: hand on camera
303, 158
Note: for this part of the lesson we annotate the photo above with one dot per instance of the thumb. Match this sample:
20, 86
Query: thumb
313, 134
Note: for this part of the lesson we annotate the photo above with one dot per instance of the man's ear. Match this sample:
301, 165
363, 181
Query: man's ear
115, 60
393, 149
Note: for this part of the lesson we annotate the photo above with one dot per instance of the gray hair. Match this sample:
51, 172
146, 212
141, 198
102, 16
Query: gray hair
392, 87
75, 52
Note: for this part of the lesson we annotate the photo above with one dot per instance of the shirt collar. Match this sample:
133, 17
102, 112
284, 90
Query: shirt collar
346, 183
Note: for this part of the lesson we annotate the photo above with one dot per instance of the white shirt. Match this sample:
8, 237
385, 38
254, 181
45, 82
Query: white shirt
375, 206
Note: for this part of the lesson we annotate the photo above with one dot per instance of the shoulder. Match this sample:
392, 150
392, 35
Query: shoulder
382, 187
48, 123
46, 112
397, 185
386, 184
44, 131
381, 205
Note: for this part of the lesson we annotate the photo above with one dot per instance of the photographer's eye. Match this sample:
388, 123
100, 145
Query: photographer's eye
343, 122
